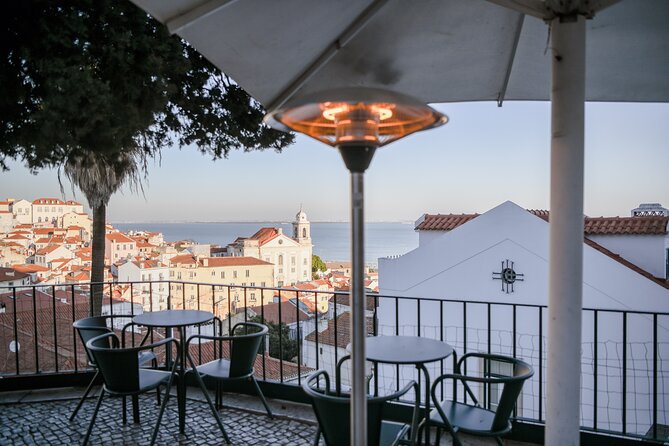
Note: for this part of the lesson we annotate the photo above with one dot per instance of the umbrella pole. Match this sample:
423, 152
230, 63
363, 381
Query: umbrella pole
565, 297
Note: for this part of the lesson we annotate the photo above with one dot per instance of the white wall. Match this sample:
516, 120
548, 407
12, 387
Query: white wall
646, 251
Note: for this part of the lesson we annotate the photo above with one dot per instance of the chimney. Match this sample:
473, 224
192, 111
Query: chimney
205, 261
280, 230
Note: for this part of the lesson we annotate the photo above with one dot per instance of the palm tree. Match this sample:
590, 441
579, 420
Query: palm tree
99, 177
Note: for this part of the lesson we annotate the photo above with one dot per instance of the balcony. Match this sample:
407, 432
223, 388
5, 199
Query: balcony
625, 366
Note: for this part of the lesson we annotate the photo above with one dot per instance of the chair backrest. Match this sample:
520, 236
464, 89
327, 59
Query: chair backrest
119, 366
246, 340
333, 412
89, 328
512, 385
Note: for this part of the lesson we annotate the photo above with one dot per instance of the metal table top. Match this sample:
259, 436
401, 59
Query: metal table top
173, 318
406, 349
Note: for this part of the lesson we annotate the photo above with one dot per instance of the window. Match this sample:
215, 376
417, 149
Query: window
252, 284
234, 274
222, 274
280, 270
292, 270
292, 260
213, 273
253, 297
304, 261
53, 208
60, 210
262, 284
248, 273
304, 232
280, 262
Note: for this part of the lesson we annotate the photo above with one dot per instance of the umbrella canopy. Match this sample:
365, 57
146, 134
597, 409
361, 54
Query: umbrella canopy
434, 50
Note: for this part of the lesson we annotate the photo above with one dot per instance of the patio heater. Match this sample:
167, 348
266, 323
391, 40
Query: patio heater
356, 121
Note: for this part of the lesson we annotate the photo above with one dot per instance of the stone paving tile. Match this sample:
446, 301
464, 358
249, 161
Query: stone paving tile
46, 423
41, 418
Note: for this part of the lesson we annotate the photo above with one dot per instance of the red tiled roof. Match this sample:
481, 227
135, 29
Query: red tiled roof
11, 274
626, 225
592, 225
183, 259
30, 268
118, 237
342, 337
264, 235
289, 312
439, 222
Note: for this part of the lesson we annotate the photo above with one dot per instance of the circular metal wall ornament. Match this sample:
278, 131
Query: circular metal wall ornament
508, 276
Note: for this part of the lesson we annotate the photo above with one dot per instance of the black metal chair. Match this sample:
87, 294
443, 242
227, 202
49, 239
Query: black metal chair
243, 350
91, 327
333, 415
122, 375
473, 418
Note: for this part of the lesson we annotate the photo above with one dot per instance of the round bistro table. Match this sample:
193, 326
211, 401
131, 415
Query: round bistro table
403, 350
179, 319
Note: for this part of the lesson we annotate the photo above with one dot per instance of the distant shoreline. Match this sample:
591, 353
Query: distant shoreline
279, 222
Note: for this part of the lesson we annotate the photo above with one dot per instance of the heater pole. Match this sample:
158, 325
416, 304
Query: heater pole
358, 329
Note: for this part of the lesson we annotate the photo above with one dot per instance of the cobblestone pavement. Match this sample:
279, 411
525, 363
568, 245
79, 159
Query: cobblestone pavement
46, 423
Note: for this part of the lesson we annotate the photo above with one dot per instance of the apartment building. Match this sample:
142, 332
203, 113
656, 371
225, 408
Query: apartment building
119, 246
208, 282
51, 210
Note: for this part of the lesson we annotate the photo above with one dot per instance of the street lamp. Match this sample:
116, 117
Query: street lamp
356, 120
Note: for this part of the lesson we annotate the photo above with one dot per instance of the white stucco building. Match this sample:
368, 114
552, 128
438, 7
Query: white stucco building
500, 259
291, 256
151, 277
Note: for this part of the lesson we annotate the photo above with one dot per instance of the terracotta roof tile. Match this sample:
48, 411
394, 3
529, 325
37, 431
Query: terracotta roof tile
342, 337
264, 235
626, 225
592, 225
445, 222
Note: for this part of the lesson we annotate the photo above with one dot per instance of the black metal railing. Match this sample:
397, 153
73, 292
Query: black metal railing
625, 354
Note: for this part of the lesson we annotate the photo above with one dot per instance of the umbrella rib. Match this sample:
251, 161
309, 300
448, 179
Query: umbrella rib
182, 21
512, 57
328, 53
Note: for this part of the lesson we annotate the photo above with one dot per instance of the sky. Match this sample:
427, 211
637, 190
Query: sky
484, 156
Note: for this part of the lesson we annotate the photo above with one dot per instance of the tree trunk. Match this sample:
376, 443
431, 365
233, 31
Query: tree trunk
98, 259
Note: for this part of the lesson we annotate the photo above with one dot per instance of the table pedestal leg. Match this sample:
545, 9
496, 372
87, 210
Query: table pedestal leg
181, 384
422, 368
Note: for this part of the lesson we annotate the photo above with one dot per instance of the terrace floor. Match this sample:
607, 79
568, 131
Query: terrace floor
41, 418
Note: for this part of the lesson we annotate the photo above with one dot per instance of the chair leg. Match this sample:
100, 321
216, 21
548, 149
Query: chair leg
88, 390
211, 405
162, 410
135, 409
124, 407
95, 414
419, 434
437, 439
317, 439
262, 397
158, 396
500, 442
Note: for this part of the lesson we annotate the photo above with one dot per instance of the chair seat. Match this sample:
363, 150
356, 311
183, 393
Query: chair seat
218, 368
150, 379
145, 356
465, 418
392, 433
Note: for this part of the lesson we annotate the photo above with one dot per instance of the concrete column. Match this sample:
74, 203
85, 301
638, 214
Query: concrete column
565, 295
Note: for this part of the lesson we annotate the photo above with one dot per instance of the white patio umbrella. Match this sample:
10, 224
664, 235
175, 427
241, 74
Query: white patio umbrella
451, 51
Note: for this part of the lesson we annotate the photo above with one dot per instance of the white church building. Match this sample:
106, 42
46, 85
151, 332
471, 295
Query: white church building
291, 256
482, 284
